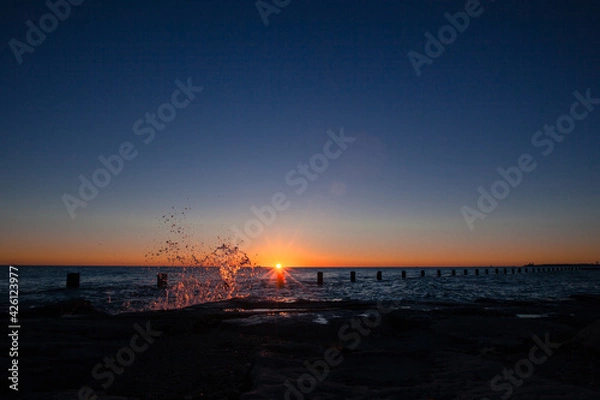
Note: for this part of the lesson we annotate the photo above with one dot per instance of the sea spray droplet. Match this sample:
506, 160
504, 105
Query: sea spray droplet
221, 273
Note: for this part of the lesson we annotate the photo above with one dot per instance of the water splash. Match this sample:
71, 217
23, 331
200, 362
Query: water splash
208, 274
178, 249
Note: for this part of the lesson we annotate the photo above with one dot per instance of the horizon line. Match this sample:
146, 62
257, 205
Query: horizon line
305, 266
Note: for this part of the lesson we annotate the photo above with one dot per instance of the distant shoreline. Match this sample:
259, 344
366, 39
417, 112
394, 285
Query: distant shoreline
563, 265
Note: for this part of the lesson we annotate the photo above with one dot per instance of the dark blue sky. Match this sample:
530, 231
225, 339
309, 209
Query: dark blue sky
424, 144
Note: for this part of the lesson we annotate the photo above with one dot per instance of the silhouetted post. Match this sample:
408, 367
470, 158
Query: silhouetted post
403, 274
352, 276
497, 271
476, 271
453, 272
512, 270
73, 280
379, 277
520, 270
526, 270
487, 271
439, 272
505, 271
161, 280
466, 272
319, 278
422, 272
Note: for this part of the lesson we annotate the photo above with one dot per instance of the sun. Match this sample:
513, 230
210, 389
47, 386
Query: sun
278, 266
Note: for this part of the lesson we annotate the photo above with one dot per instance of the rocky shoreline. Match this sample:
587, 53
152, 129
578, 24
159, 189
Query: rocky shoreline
315, 350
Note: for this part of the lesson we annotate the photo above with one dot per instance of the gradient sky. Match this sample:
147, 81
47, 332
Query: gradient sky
424, 144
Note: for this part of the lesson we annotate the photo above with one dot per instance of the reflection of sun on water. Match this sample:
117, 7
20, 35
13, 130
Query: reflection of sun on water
281, 277
278, 275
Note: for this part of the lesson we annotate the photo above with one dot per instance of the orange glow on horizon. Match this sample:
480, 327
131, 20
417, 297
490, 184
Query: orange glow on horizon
119, 251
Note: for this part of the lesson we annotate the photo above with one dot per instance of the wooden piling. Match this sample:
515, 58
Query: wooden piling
319, 278
439, 272
162, 280
352, 276
403, 274
379, 275
73, 280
